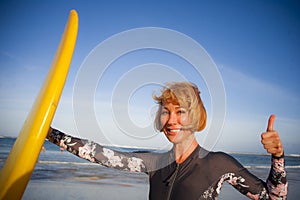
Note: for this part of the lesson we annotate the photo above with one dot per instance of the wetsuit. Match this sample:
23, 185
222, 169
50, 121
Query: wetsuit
200, 176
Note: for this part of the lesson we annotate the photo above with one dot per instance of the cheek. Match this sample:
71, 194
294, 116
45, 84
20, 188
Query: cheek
185, 119
163, 120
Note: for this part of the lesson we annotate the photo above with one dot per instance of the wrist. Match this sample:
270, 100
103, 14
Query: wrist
278, 155
49, 133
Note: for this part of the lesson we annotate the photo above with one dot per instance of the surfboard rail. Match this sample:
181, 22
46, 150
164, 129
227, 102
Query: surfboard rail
17, 169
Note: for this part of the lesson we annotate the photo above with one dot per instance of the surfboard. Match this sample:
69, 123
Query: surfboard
19, 165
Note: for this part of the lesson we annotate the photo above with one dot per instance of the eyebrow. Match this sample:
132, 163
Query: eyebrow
176, 107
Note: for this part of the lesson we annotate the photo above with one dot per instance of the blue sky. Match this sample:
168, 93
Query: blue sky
254, 44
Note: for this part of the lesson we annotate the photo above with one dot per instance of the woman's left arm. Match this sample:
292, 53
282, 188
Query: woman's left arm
277, 182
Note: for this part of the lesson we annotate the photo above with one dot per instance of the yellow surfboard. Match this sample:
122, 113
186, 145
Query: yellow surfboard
18, 167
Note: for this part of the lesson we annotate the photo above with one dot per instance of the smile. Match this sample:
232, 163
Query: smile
173, 131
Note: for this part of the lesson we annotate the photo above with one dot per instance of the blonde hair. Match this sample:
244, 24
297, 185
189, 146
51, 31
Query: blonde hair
186, 95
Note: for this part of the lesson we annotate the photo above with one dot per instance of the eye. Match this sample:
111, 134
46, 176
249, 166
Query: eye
181, 111
164, 112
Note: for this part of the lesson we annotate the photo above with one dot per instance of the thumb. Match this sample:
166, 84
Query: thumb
271, 123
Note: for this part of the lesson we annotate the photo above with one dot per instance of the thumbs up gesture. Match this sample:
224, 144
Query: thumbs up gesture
270, 139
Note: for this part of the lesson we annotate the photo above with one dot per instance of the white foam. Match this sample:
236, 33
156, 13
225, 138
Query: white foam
65, 163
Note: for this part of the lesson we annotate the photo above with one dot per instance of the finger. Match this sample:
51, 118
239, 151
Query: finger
266, 135
274, 147
271, 145
271, 123
273, 150
269, 135
43, 149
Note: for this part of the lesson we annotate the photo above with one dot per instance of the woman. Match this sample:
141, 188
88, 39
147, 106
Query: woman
187, 171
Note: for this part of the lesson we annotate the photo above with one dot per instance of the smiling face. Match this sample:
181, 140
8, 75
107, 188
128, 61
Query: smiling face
185, 98
174, 120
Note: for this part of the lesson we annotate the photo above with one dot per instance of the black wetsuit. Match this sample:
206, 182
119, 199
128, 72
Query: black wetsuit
200, 176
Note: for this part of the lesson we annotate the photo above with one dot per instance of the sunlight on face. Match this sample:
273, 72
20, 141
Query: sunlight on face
174, 119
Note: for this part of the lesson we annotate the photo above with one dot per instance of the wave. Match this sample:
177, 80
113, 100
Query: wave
293, 167
7, 137
267, 167
95, 164
293, 155
66, 163
264, 154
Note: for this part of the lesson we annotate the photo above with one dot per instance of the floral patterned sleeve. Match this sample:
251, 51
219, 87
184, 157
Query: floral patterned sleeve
231, 171
277, 183
276, 186
96, 153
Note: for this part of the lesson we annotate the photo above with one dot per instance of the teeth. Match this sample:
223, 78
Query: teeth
175, 130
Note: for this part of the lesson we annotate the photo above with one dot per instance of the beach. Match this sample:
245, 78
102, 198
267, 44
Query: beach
85, 189
79, 190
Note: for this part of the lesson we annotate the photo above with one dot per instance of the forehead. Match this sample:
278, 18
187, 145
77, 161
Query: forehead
171, 106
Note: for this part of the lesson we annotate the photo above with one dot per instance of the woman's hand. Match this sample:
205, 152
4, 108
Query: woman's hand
49, 132
43, 149
271, 140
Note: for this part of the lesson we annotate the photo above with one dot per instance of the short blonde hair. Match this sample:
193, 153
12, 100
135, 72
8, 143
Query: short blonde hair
186, 95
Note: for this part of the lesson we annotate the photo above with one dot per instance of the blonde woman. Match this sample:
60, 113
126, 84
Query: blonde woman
187, 171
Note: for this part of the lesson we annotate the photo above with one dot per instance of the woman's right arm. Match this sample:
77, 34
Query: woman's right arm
96, 153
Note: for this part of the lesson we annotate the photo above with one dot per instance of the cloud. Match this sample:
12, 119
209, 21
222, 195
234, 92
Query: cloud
252, 94
7, 55
250, 101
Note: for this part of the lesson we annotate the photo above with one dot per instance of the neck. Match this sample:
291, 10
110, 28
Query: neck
182, 151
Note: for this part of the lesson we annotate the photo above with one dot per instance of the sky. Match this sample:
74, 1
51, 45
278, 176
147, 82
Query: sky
254, 46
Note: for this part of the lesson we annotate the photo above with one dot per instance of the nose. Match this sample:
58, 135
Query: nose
172, 119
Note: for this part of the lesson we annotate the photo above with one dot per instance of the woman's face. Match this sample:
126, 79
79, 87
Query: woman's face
173, 120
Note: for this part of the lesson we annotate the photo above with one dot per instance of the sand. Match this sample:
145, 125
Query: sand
45, 190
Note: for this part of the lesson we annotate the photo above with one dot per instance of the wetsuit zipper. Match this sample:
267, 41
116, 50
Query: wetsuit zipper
172, 182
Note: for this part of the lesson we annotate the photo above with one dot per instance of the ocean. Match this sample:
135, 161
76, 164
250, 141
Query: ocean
60, 168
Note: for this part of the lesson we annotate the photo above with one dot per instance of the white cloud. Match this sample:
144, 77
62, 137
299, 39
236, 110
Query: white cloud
258, 96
